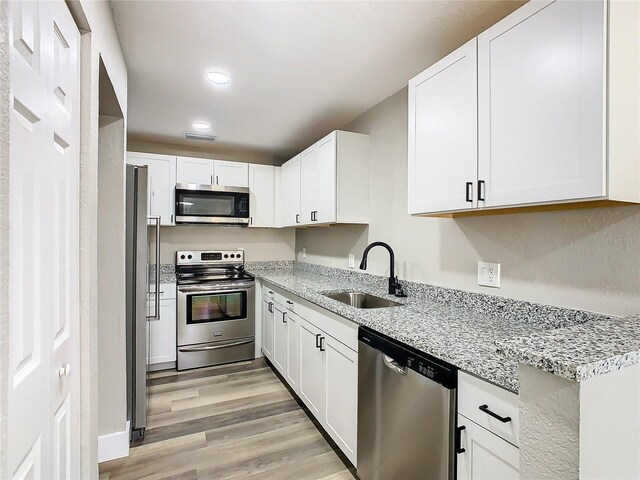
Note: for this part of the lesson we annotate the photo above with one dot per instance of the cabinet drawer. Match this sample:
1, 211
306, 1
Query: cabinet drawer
167, 291
267, 292
286, 301
478, 400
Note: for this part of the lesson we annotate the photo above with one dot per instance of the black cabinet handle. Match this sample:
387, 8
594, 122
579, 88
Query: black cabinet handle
317, 340
485, 409
321, 344
297, 218
284, 317
289, 302
250, 220
468, 192
270, 292
459, 430
270, 307
480, 190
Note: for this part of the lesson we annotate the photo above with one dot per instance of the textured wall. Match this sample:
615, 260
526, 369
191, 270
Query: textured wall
112, 353
587, 259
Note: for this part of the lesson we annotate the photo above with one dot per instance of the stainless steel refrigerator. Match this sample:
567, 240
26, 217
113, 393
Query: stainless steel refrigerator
137, 271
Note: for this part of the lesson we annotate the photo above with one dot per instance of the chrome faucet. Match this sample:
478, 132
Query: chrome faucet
394, 285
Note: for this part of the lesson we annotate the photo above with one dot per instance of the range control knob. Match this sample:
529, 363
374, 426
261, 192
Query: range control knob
238, 255
189, 257
182, 257
226, 255
233, 256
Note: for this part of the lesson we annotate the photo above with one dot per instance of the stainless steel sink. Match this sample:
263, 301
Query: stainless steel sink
362, 300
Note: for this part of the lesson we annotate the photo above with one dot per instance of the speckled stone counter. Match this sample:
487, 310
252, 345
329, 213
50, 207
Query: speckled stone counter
461, 328
580, 352
167, 273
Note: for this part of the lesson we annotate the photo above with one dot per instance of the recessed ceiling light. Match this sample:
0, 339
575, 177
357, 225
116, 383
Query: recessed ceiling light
218, 78
199, 125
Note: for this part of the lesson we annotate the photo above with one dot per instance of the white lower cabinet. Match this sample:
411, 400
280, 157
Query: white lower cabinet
312, 370
486, 456
267, 328
321, 367
162, 332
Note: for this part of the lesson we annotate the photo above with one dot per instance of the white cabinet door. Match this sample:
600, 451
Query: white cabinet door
231, 174
268, 311
325, 199
293, 351
162, 184
443, 129
308, 184
262, 183
290, 192
541, 94
486, 456
194, 170
280, 339
342, 395
162, 334
312, 370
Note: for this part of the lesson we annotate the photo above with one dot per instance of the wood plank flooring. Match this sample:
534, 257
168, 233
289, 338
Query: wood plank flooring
229, 422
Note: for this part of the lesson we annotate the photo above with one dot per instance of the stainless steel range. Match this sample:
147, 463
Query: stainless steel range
216, 308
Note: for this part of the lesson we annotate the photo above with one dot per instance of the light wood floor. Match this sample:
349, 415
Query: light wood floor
229, 422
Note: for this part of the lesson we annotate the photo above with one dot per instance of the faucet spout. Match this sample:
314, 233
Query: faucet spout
394, 286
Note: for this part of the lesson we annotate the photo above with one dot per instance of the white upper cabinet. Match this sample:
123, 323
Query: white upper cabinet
230, 174
162, 184
556, 88
289, 193
541, 104
443, 128
262, 184
334, 181
204, 171
194, 170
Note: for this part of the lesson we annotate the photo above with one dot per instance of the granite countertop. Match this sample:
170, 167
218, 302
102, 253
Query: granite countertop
579, 352
465, 337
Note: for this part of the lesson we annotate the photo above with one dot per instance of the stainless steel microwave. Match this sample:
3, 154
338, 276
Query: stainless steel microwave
212, 204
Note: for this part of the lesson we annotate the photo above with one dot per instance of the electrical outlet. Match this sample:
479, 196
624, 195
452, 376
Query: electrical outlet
352, 261
489, 274
304, 253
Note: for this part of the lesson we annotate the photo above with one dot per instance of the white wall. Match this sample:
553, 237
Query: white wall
259, 243
586, 259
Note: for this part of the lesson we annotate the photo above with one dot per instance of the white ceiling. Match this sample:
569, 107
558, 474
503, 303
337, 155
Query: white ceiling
298, 69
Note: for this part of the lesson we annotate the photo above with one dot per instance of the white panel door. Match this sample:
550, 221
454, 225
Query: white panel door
280, 339
290, 192
541, 93
293, 351
194, 170
43, 384
486, 456
342, 395
312, 370
162, 187
443, 129
262, 201
268, 311
231, 174
325, 200
162, 333
308, 184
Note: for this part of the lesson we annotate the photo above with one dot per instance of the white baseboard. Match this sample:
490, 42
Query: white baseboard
114, 445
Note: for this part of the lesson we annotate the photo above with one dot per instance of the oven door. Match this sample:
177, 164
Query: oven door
209, 313
212, 204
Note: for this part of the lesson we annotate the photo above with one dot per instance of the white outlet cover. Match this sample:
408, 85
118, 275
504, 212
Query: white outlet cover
352, 261
304, 253
489, 274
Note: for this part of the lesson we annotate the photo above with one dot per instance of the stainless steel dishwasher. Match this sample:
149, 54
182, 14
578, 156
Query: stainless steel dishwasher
406, 412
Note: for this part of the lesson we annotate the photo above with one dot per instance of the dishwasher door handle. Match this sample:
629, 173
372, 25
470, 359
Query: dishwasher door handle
393, 365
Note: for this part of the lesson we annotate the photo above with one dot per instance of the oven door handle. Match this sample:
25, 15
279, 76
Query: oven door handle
214, 347
210, 289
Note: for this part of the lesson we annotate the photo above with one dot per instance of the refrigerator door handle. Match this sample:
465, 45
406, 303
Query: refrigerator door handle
157, 292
